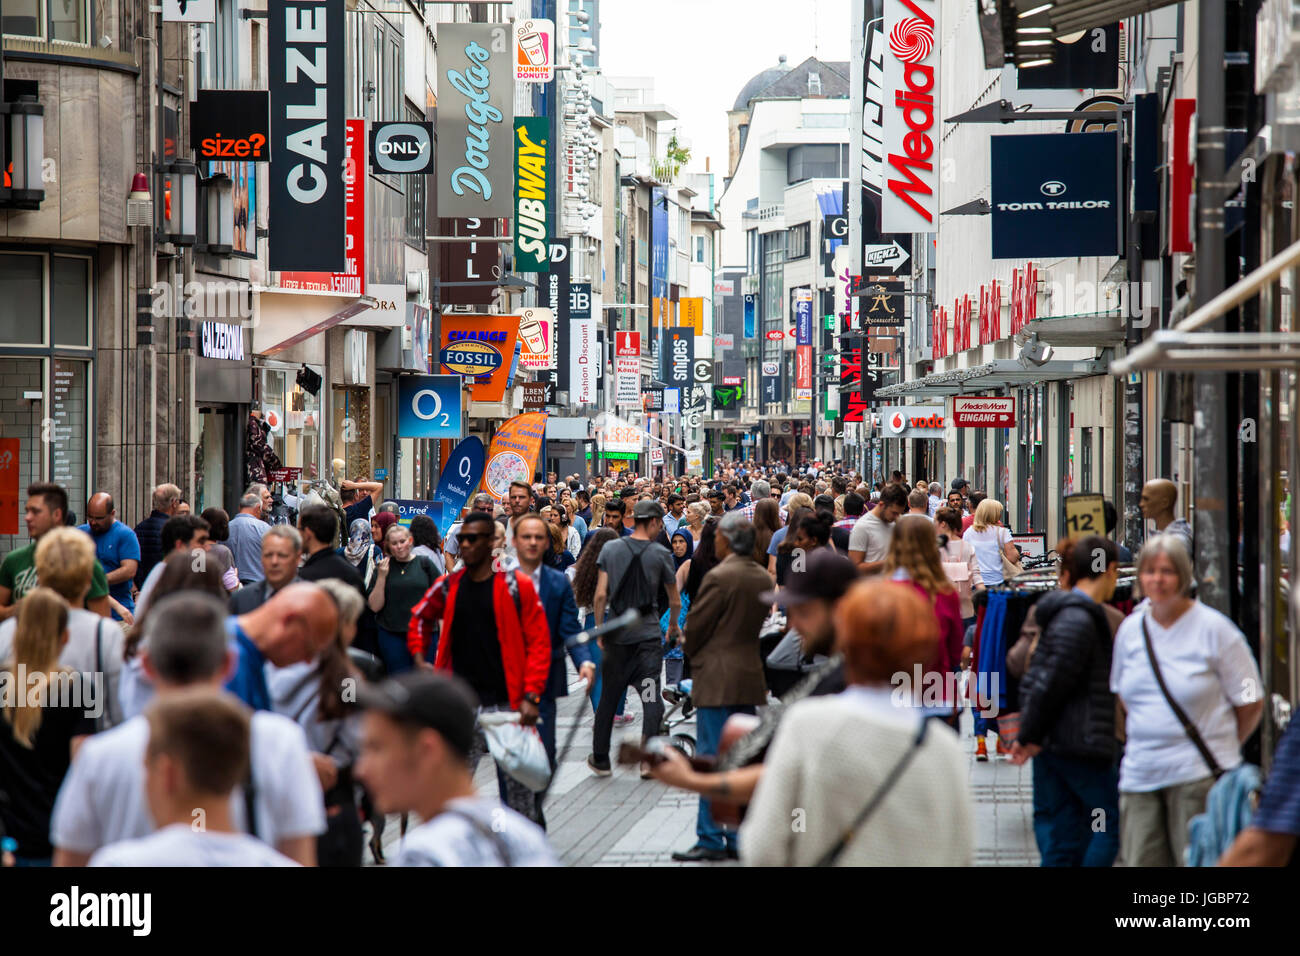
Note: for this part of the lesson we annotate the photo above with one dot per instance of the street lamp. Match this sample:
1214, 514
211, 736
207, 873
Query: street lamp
219, 220
180, 205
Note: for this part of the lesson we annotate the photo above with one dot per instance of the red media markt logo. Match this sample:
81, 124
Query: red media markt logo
911, 40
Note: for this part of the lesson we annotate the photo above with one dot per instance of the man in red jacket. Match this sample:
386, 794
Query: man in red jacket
491, 632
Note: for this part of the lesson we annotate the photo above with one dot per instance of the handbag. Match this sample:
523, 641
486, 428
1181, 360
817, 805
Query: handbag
1188, 726
518, 750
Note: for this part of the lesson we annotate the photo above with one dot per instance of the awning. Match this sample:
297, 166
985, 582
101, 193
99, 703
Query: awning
1000, 373
288, 317
1100, 329
1067, 16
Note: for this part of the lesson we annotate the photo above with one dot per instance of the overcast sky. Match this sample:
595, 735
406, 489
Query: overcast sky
702, 52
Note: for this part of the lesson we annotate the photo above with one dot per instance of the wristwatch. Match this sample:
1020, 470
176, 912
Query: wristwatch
532, 699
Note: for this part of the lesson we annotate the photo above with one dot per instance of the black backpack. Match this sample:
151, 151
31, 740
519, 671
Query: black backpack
634, 590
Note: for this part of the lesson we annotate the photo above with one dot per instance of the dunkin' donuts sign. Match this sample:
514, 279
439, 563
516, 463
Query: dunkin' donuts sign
910, 116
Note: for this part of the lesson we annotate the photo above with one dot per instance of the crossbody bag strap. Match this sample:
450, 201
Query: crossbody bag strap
99, 669
483, 830
841, 845
1188, 726
250, 792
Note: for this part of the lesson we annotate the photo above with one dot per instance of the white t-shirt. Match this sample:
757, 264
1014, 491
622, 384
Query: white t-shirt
146, 589
79, 654
871, 536
451, 840
103, 801
988, 545
180, 845
1209, 669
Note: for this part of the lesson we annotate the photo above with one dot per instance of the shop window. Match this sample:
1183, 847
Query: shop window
350, 426
63, 20
294, 415
69, 412
22, 300
70, 300
23, 423
796, 241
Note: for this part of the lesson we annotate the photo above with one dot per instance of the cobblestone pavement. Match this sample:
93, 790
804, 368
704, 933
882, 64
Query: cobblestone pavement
623, 820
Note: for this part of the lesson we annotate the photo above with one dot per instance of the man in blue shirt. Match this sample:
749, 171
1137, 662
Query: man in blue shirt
292, 627
116, 547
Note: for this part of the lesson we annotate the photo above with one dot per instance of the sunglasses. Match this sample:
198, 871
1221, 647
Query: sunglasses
470, 538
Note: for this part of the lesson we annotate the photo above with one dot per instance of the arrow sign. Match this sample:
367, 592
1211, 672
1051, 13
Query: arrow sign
892, 257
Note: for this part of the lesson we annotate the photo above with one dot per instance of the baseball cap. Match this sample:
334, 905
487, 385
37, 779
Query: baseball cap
441, 702
826, 575
958, 484
647, 509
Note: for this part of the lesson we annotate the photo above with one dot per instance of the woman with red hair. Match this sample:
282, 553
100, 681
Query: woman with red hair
861, 778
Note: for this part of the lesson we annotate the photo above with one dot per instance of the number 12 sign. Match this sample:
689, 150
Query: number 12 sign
1085, 514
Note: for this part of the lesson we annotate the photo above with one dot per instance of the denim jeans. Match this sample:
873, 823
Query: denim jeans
708, 734
1076, 810
396, 655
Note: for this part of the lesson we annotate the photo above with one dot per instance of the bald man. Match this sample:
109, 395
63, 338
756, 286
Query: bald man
116, 547
1159, 495
292, 627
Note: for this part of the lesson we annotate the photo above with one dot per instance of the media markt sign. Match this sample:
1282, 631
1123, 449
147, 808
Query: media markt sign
971, 411
532, 166
912, 421
910, 116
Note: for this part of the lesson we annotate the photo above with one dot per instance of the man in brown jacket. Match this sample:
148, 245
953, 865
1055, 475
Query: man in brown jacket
722, 644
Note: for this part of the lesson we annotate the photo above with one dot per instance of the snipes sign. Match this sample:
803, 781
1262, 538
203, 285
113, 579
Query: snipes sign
910, 117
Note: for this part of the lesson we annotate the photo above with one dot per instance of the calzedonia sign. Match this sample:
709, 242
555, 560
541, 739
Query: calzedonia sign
909, 116
307, 82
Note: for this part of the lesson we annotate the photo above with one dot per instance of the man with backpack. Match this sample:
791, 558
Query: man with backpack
635, 573
491, 633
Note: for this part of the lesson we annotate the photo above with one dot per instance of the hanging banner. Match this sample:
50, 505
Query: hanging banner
882, 306
532, 180
690, 312
428, 406
351, 280
584, 362
681, 356
534, 51
475, 108
557, 295
512, 456
481, 347
537, 333
307, 82
910, 116
627, 363
231, 125
408, 508
468, 262
802, 308
751, 315
459, 478
803, 372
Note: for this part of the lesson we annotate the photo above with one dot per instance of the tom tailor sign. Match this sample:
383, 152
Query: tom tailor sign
1054, 194
910, 118
307, 83
475, 96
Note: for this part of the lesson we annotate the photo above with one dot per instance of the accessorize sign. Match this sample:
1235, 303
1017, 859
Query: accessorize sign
307, 83
351, 278
980, 412
231, 124
481, 347
475, 109
532, 180
512, 456
910, 116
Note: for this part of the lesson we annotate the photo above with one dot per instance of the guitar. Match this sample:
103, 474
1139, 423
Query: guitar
726, 813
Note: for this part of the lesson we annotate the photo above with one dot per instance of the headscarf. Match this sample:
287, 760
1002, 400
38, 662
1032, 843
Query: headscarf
685, 534
359, 542
385, 520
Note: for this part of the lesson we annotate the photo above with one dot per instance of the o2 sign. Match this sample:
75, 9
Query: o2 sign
429, 406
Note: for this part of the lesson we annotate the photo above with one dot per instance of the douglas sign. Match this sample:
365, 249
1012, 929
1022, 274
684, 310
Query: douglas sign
910, 107
475, 95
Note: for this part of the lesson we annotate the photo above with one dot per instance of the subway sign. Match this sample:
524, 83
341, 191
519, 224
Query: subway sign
532, 176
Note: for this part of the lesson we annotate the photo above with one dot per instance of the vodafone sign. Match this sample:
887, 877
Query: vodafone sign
910, 119
922, 421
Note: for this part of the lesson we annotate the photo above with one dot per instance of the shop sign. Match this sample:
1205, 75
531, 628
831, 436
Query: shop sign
350, 277
656, 455
429, 406
475, 96
537, 331
910, 116
690, 311
803, 372
535, 394
1031, 545
231, 124
724, 340
481, 347
913, 421
532, 181
724, 287
653, 399
980, 412
802, 316
882, 306
460, 476
775, 335
534, 51
283, 475
513, 453
408, 508
627, 356
620, 440
401, 148
218, 340
1054, 194
731, 379
585, 361
681, 356
1085, 514
751, 315
307, 82
728, 396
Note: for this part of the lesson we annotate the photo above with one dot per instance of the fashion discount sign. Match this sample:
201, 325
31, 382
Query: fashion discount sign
910, 116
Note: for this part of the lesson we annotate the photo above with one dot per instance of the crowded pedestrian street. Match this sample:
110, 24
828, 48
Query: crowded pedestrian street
583, 434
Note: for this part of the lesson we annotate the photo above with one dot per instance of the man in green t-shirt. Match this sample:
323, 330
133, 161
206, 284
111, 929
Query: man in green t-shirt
47, 504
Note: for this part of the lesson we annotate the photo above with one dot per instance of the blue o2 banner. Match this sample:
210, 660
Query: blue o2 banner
429, 406
307, 51
408, 509
1055, 194
460, 476
751, 315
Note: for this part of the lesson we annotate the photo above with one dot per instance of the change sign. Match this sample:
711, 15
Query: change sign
307, 83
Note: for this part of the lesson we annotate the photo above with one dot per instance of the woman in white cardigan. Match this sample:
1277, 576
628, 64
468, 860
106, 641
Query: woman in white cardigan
833, 755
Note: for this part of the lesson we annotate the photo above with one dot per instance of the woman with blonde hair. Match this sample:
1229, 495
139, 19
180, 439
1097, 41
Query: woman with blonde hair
696, 514
41, 722
991, 541
914, 558
902, 801
597, 512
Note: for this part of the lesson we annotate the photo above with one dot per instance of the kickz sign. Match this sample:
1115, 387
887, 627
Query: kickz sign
910, 116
